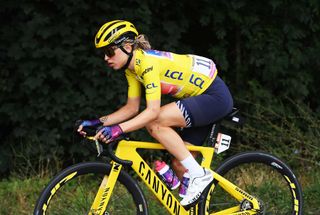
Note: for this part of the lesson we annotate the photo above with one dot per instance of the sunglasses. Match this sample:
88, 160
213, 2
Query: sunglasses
109, 51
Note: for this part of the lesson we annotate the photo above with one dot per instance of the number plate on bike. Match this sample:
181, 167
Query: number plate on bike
223, 143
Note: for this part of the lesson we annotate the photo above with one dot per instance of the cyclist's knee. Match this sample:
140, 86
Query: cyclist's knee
153, 127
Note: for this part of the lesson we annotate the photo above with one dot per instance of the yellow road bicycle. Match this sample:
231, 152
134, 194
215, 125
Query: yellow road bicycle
244, 184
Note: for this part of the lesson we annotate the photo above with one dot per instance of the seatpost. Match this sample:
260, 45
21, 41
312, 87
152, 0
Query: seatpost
213, 133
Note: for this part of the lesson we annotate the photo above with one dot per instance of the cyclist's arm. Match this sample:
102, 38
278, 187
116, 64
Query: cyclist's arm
153, 100
149, 114
129, 110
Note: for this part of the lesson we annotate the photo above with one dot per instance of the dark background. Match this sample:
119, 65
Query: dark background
51, 74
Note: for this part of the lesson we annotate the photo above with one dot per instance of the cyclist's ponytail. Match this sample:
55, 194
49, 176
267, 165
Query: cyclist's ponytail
142, 42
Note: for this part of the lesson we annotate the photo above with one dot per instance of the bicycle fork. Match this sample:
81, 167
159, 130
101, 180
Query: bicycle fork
105, 190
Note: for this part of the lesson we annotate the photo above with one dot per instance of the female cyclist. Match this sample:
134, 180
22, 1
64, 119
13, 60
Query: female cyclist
203, 98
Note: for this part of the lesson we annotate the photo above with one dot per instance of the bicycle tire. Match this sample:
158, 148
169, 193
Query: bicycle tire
280, 194
76, 195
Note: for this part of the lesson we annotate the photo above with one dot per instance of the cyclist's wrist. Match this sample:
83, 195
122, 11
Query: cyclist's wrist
117, 130
103, 119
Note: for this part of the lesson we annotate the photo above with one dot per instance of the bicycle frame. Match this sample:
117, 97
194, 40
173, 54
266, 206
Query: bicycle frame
127, 150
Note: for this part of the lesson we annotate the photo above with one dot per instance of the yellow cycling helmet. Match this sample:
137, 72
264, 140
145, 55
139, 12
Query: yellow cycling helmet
115, 32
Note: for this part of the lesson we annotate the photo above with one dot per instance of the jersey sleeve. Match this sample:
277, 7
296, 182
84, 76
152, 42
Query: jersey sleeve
151, 80
134, 86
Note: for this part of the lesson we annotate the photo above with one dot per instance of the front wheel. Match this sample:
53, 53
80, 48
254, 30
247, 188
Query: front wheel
262, 175
73, 190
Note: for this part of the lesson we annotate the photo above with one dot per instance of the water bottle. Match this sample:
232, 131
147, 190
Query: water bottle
167, 175
184, 184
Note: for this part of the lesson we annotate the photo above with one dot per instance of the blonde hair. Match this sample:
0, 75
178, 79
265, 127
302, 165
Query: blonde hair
141, 42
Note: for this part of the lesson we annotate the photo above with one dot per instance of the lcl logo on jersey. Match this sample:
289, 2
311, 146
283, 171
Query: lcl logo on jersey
174, 75
197, 81
151, 86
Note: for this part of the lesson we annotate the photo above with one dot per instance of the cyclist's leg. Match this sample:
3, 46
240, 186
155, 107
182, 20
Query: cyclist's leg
200, 110
161, 129
169, 138
178, 168
191, 136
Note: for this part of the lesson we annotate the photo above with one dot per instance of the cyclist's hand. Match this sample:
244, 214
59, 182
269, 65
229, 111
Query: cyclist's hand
88, 123
109, 133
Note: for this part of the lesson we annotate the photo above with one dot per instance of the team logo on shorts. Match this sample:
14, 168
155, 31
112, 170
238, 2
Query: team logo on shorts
185, 113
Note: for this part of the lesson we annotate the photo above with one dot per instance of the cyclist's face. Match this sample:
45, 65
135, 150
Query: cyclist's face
115, 57
110, 50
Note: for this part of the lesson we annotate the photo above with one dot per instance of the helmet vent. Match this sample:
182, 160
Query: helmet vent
114, 31
106, 28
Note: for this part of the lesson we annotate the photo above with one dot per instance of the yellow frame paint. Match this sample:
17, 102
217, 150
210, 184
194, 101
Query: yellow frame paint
127, 150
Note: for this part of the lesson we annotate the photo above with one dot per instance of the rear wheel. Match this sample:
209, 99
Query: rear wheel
262, 175
73, 190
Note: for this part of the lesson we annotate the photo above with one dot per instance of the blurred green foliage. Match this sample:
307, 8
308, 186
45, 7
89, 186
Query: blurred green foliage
51, 74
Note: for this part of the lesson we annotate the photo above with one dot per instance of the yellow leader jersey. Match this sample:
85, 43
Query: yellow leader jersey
169, 73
